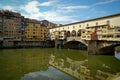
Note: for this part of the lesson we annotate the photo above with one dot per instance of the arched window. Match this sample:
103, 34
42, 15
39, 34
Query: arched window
96, 23
108, 22
79, 33
73, 34
68, 33
65, 33
79, 26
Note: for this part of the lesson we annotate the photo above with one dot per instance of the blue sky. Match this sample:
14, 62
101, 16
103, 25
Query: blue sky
62, 11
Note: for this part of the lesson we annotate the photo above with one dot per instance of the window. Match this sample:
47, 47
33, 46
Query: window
87, 24
96, 23
108, 22
73, 27
118, 36
79, 25
33, 32
83, 31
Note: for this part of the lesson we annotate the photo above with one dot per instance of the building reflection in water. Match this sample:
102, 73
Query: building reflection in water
78, 70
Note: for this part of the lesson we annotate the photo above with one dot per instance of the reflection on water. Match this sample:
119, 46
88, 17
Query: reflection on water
79, 70
50, 74
32, 64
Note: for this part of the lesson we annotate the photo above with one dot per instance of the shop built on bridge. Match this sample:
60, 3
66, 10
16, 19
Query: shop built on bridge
100, 35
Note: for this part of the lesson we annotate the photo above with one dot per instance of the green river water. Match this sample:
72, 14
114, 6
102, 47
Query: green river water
52, 64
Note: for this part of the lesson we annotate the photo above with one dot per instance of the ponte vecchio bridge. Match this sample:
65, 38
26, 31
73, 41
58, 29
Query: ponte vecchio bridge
100, 35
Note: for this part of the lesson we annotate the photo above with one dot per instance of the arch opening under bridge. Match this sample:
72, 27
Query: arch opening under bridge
75, 45
110, 49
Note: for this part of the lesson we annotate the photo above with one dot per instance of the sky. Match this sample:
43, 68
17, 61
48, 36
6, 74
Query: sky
62, 11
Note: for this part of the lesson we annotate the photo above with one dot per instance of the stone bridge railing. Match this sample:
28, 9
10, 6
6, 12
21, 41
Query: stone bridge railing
76, 39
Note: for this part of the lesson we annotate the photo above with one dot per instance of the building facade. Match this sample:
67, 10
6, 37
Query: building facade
15, 30
34, 31
103, 28
11, 25
48, 24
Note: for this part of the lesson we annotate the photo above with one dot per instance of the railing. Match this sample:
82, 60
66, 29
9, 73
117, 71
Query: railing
76, 39
73, 38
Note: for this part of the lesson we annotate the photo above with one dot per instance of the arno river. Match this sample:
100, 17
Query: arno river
56, 64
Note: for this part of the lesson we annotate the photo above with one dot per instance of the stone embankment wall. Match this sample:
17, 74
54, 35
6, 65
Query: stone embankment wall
11, 44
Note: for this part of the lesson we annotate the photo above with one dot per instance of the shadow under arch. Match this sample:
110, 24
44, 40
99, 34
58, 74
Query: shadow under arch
109, 50
75, 45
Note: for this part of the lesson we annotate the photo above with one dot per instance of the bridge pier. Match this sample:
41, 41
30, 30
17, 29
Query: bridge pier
58, 43
94, 47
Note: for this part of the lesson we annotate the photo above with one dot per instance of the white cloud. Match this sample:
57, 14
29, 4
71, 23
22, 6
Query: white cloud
75, 7
32, 11
59, 13
48, 3
104, 2
32, 16
8, 7
98, 11
31, 7
68, 9
57, 17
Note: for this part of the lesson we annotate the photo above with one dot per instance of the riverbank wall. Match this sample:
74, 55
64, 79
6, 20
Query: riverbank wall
26, 44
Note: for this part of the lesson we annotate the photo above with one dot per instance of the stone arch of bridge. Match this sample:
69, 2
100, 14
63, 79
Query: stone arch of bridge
75, 45
108, 50
77, 39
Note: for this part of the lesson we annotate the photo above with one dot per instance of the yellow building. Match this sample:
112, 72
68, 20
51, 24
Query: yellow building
15, 30
34, 31
10, 25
